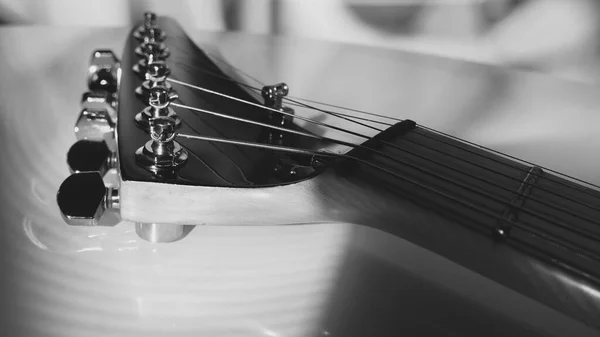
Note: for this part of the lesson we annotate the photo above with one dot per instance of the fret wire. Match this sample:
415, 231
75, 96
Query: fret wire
420, 185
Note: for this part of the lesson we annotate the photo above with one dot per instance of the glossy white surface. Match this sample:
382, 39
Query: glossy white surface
260, 281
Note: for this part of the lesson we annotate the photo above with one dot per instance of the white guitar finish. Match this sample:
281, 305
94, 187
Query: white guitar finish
287, 281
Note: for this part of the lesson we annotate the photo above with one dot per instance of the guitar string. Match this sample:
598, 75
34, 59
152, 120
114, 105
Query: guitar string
493, 215
291, 99
417, 131
336, 141
566, 244
366, 137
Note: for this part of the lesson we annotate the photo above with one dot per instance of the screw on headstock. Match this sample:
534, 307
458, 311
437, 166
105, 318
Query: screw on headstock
97, 118
162, 155
273, 96
82, 199
159, 100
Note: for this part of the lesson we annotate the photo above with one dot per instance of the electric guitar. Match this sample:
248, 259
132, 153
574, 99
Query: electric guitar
174, 140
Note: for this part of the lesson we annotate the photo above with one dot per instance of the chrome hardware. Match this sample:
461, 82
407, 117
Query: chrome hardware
83, 198
162, 155
273, 96
141, 67
94, 125
99, 100
161, 232
156, 76
159, 99
149, 31
91, 156
158, 50
104, 71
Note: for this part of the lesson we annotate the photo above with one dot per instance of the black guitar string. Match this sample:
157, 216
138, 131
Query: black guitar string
566, 244
290, 98
370, 149
466, 203
337, 114
448, 167
400, 161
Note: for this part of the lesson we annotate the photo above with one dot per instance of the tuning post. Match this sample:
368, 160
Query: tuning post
156, 76
149, 31
273, 96
104, 72
159, 100
150, 56
162, 155
83, 198
158, 50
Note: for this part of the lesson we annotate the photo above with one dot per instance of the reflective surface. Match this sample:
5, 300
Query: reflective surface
318, 280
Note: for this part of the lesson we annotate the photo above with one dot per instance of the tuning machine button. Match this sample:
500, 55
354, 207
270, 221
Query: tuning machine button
91, 156
103, 74
95, 125
82, 199
98, 100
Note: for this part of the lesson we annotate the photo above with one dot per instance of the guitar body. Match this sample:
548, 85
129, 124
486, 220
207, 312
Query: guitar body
337, 278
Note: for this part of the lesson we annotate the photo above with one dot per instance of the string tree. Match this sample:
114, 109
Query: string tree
273, 96
162, 155
104, 72
159, 101
91, 156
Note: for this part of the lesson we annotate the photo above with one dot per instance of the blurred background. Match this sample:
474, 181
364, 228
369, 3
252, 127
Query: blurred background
556, 37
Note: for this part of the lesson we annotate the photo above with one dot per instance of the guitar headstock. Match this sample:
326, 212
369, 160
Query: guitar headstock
132, 117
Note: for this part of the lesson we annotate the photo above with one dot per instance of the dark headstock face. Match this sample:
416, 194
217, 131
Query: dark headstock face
208, 163
134, 115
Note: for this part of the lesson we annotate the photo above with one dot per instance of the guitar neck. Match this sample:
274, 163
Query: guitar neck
520, 225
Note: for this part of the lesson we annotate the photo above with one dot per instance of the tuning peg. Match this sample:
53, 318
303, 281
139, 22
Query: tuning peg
103, 74
158, 50
94, 125
149, 31
82, 199
100, 100
91, 156
156, 76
